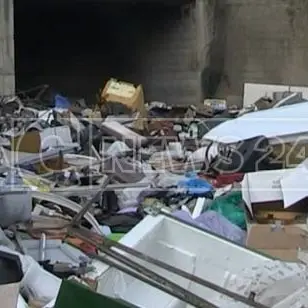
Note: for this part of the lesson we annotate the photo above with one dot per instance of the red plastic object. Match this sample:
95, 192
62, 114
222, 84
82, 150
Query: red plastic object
227, 179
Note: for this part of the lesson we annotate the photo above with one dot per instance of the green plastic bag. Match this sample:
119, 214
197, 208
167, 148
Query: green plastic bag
116, 236
229, 206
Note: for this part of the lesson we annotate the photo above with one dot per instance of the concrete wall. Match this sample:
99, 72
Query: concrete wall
213, 49
182, 53
171, 61
266, 42
7, 73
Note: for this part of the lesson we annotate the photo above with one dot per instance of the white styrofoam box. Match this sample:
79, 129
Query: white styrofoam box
184, 247
263, 186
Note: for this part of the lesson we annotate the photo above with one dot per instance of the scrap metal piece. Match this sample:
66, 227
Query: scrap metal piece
42, 247
66, 203
77, 219
93, 189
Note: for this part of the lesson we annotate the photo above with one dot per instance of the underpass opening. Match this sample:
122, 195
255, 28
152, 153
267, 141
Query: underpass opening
76, 46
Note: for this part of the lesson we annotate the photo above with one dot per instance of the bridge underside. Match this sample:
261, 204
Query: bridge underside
179, 52
76, 46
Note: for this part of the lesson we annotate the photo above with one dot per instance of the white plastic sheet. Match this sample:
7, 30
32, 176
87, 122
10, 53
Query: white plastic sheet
271, 123
36, 283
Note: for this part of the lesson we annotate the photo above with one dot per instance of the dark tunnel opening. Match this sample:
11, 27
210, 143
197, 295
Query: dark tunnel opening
77, 46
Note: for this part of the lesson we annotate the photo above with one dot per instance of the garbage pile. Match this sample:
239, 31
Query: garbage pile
189, 190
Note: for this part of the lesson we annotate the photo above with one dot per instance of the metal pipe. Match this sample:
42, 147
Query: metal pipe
153, 283
66, 203
42, 249
93, 189
184, 294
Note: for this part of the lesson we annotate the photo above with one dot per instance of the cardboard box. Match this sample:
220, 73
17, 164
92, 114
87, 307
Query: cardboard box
129, 95
275, 192
281, 242
30, 142
277, 205
287, 218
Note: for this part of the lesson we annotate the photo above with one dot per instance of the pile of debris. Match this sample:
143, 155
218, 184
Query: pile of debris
130, 204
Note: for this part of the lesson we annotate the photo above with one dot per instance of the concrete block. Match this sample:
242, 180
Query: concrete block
9, 84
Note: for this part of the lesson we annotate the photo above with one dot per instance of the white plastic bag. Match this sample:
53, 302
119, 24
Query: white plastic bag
200, 154
38, 283
128, 197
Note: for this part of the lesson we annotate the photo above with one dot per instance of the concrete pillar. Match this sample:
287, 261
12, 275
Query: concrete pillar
204, 28
7, 67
